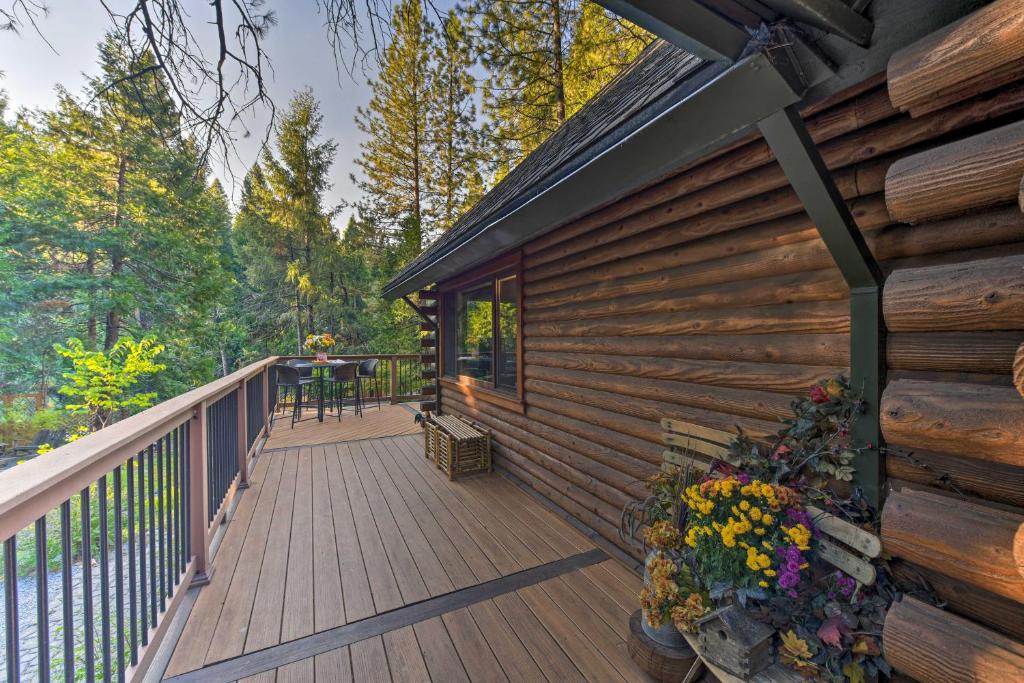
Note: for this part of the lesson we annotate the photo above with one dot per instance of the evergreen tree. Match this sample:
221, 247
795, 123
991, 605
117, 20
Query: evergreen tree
455, 142
602, 45
283, 228
108, 224
523, 46
396, 159
545, 59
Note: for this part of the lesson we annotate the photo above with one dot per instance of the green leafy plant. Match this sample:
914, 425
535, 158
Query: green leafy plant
101, 383
815, 453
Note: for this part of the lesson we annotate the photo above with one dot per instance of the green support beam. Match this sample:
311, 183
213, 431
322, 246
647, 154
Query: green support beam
796, 152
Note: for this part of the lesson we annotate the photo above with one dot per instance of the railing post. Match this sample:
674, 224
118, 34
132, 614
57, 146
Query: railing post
242, 427
268, 409
394, 380
198, 496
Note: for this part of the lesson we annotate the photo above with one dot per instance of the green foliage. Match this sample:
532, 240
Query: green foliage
815, 452
396, 158
293, 278
100, 383
544, 60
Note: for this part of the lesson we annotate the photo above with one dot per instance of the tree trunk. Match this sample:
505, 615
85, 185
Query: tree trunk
116, 258
223, 363
90, 269
556, 54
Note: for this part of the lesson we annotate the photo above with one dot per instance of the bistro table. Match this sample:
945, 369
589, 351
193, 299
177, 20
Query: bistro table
321, 369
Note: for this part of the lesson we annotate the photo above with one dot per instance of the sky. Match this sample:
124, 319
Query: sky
297, 46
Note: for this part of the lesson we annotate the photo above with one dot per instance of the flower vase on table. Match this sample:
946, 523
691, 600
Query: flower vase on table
319, 344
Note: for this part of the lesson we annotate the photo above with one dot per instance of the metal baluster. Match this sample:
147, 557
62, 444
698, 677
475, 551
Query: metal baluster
159, 501
66, 601
11, 609
87, 612
143, 602
101, 500
152, 539
119, 573
169, 492
133, 613
42, 604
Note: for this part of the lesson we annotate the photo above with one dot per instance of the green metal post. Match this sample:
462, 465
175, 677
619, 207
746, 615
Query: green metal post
807, 173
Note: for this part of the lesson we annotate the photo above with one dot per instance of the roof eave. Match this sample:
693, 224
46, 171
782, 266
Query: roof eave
693, 127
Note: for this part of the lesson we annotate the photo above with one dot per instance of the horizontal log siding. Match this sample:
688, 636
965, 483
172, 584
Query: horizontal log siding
710, 298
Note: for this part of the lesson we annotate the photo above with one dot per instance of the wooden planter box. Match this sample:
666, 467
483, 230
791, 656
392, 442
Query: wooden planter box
456, 445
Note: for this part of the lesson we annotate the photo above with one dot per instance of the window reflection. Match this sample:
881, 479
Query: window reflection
476, 333
508, 326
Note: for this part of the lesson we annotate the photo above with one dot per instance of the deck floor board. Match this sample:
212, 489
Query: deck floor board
332, 533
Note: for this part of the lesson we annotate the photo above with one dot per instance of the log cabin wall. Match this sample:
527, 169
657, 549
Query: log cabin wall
710, 298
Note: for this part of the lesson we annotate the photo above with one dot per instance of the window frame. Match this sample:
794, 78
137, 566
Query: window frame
491, 273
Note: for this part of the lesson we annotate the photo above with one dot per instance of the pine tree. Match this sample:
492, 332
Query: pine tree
523, 45
545, 59
455, 143
396, 160
602, 45
290, 247
113, 229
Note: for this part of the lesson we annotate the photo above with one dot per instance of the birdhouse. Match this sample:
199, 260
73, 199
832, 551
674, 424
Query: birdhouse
735, 641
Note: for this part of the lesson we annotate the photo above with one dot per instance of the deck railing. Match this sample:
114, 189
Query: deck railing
102, 536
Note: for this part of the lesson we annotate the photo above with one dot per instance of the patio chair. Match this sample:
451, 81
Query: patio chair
367, 372
290, 378
337, 382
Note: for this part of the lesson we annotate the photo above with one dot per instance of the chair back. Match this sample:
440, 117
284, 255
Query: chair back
345, 373
287, 376
304, 367
368, 368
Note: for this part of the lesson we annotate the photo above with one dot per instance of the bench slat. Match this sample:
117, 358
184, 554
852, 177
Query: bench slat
706, 433
712, 449
859, 569
859, 539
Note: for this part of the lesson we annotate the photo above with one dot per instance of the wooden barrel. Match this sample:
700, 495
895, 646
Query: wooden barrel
667, 664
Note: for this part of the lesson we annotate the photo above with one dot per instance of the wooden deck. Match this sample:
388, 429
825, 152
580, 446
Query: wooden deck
389, 420
401, 575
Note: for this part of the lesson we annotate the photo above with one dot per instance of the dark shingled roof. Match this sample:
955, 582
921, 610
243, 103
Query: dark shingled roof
622, 107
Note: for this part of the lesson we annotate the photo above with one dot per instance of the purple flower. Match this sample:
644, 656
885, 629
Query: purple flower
847, 585
743, 478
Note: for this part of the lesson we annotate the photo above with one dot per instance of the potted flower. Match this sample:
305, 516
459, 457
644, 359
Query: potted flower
319, 343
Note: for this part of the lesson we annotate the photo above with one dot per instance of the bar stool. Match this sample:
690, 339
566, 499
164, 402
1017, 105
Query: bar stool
368, 372
289, 378
340, 378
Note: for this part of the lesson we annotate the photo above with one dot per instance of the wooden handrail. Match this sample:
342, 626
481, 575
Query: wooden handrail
33, 488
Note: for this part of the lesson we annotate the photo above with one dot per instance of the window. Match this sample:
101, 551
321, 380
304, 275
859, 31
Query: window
476, 334
482, 333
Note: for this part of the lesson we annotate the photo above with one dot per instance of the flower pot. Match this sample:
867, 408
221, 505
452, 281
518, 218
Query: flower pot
321, 356
667, 635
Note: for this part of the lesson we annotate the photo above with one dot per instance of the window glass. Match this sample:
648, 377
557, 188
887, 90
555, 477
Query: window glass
508, 331
476, 333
